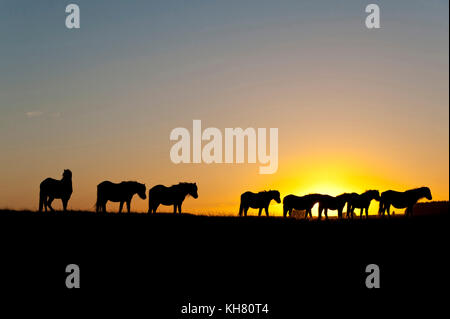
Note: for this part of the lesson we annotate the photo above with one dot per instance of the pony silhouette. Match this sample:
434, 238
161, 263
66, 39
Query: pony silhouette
51, 188
260, 200
327, 202
173, 195
400, 200
291, 202
361, 201
122, 192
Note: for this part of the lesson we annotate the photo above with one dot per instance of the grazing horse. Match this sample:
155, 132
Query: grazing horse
122, 192
173, 195
327, 202
260, 200
361, 201
402, 200
306, 203
51, 188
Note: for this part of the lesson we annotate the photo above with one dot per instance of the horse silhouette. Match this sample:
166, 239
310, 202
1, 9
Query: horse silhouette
173, 195
306, 203
51, 188
260, 200
400, 200
327, 202
361, 201
122, 192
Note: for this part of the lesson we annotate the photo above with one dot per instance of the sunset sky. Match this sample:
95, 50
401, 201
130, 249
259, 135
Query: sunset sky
355, 108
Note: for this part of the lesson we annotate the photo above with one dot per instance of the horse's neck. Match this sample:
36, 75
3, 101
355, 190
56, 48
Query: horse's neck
419, 194
66, 181
181, 191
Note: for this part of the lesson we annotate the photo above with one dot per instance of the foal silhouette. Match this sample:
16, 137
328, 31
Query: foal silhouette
173, 195
51, 188
260, 200
291, 202
402, 200
123, 193
361, 201
327, 202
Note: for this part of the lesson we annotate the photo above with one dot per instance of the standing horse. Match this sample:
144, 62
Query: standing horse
361, 201
51, 188
402, 200
260, 200
327, 202
306, 203
122, 192
173, 195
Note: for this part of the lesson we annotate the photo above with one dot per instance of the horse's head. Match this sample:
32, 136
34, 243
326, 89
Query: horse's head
193, 189
275, 195
374, 194
141, 190
67, 174
427, 193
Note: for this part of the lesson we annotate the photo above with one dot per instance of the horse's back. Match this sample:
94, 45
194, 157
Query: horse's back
247, 195
105, 187
290, 198
105, 184
389, 194
157, 189
55, 188
48, 183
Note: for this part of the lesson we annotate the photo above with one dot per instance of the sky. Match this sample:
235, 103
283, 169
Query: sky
355, 108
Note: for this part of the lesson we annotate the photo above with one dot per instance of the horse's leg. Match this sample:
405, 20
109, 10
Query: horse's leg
128, 206
381, 208
361, 212
174, 208
408, 211
152, 208
49, 203
388, 209
260, 210
245, 211
45, 203
326, 213
121, 207
179, 207
267, 211
64, 203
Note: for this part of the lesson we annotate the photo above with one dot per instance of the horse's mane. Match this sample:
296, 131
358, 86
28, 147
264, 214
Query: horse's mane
269, 191
131, 183
184, 184
419, 188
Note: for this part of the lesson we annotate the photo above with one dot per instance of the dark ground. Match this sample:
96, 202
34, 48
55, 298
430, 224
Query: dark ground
152, 265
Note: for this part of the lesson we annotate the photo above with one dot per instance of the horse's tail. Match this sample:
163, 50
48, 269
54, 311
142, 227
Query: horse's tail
97, 203
285, 209
41, 200
241, 209
381, 207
